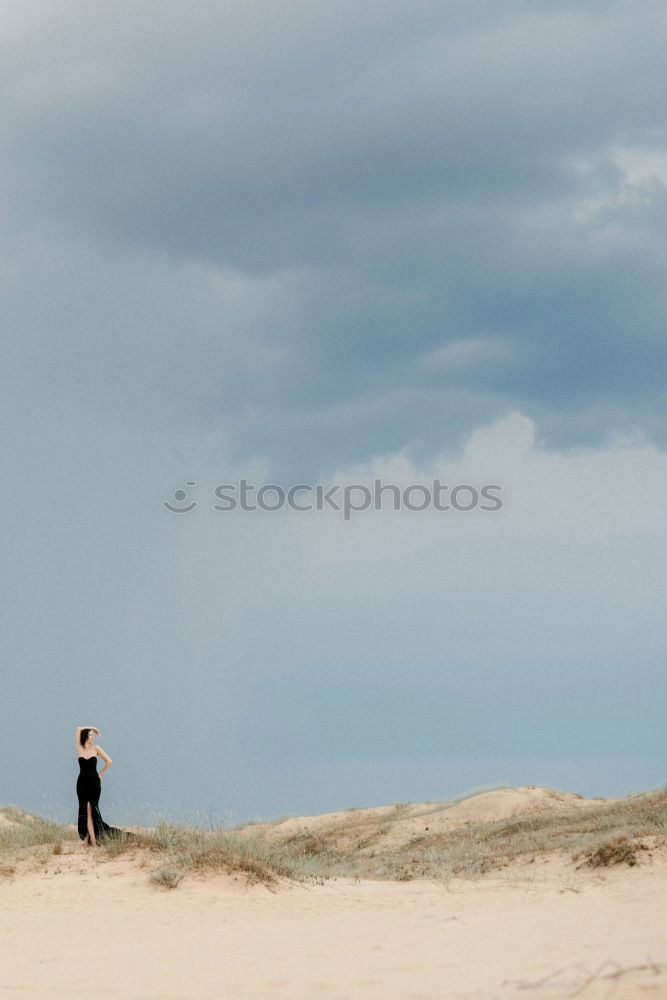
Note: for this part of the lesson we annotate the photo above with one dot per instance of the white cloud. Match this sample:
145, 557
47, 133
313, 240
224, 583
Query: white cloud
575, 552
460, 354
641, 173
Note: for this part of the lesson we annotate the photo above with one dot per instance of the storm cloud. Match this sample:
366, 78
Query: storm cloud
297, 240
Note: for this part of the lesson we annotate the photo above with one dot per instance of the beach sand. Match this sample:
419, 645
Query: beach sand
91, 925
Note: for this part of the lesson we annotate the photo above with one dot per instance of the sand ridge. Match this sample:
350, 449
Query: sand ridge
388, 827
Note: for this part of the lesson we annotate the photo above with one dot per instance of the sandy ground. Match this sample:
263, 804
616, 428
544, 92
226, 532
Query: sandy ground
387, 827
94, 927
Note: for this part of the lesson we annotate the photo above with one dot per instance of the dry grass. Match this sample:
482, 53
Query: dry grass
616, 851
606, 834
20, 830
166, 876
599, 835
28, 838
583, 833
194, 850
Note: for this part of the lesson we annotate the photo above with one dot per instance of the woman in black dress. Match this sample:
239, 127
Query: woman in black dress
89, 785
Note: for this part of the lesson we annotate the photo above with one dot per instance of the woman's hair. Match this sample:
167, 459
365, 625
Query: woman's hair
84, 736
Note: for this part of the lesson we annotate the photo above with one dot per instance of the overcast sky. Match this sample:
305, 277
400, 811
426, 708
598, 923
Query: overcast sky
320, 243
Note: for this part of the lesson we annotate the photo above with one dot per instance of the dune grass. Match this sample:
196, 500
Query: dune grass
21, 833
598, 835
186, 850
24, 829
610, 833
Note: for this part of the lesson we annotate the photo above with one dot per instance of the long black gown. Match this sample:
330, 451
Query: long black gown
88, 788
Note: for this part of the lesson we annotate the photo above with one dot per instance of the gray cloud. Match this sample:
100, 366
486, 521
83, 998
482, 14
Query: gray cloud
417, 171
288, 240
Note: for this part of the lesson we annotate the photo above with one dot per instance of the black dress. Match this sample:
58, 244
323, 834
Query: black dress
88, 788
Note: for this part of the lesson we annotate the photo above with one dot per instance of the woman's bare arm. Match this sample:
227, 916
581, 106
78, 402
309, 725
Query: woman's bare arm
105, 757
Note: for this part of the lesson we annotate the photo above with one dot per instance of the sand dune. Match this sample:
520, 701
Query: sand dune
14, 816
90, 924
385, 827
